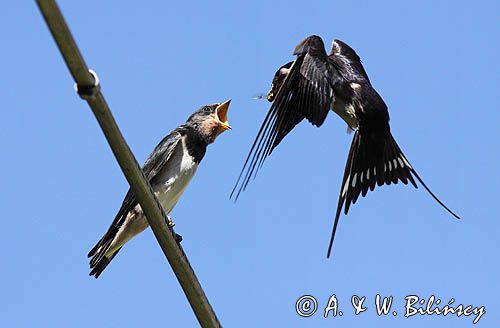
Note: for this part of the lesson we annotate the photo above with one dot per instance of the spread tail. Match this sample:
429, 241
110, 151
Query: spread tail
372, 163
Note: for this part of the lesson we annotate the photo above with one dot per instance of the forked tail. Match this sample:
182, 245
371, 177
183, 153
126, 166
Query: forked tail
374, 164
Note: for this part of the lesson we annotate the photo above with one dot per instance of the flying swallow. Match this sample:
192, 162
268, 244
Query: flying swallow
309, 87
169, 170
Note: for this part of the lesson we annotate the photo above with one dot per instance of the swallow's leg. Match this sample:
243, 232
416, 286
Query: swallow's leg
170, 223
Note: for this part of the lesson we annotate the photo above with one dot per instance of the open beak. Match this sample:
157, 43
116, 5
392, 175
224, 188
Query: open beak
221, 112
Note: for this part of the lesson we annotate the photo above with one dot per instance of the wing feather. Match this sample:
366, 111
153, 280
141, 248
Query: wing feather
350, 60
306, 92
155, 162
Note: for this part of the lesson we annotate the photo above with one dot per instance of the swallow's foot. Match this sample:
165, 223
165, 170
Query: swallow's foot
170, 223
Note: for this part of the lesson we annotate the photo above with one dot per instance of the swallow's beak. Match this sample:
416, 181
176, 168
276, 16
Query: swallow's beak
221, 112
270, 96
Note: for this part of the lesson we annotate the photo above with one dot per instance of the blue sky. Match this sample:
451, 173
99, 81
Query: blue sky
434, 62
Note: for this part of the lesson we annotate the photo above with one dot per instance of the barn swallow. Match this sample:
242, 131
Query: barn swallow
169, 170
309, 87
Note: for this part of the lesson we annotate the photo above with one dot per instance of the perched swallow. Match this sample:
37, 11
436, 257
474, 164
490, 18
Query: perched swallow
309, 87
169, 169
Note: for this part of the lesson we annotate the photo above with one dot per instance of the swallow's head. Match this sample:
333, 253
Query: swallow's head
279, 78
210, 120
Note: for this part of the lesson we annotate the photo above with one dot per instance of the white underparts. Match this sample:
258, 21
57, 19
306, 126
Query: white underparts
168, 186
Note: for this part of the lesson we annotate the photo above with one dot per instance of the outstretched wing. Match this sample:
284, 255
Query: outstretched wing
306, 92
348, 59
154, 163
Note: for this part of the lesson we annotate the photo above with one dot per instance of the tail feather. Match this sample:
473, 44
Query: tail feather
348, 190
101, 264
434, 196
98, 258
94, 249
103, 247
345, 179
369, 164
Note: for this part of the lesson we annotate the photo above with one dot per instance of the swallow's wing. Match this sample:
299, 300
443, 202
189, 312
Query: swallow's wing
155, 162
306, 92
347, 58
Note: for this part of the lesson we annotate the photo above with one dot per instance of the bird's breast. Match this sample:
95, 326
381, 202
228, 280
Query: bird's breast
346, 111
174, 178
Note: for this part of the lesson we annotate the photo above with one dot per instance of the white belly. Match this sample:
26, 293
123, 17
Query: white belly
168, 187
173, 181
346, 112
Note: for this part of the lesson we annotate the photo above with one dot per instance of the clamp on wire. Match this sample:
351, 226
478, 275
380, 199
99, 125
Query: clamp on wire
89, 92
